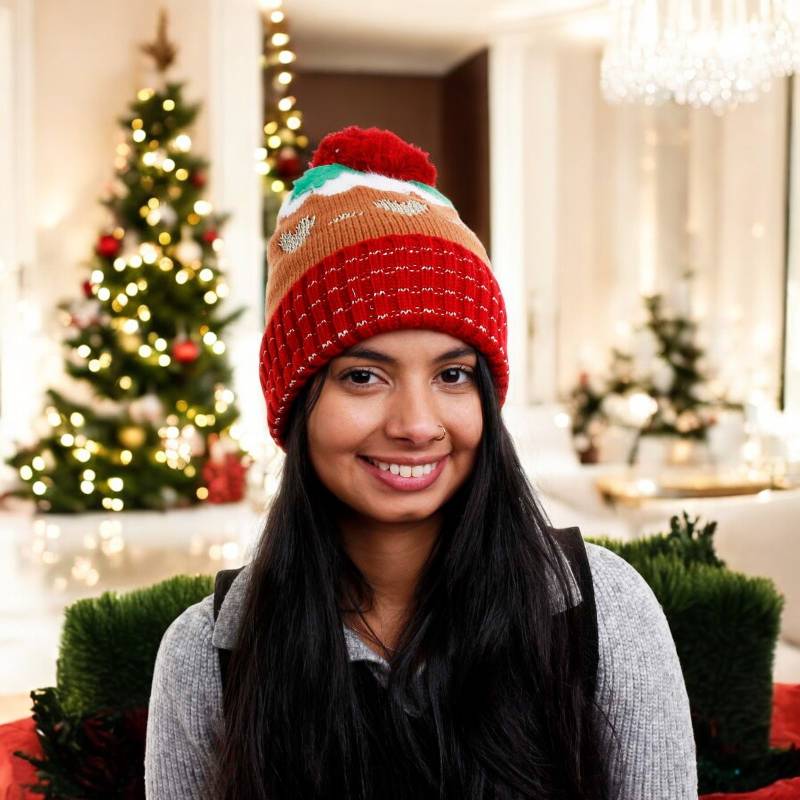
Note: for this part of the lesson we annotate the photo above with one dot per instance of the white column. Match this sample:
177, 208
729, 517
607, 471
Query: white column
507, 191
523, 91
20, 316
235, 122
542, 148
791, 401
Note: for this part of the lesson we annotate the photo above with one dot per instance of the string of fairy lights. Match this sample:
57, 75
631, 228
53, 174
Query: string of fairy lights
280, 159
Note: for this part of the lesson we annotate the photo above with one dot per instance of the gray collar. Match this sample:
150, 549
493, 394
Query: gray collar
226, 626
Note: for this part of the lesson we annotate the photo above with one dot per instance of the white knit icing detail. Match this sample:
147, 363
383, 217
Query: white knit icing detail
290, 241
345, 215
408, 207
350, 180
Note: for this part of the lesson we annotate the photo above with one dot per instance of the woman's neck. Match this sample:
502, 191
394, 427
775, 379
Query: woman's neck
391, 558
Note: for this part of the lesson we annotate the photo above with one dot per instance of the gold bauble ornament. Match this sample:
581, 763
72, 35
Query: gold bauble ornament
130, 342
132, 436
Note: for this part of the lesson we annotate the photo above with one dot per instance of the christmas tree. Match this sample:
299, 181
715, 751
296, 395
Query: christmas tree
146, 338
286, 151
675, 377
661, 388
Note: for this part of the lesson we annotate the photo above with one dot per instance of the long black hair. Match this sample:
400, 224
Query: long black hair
483, 699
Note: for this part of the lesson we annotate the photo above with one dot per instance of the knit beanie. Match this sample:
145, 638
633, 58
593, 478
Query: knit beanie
365, 244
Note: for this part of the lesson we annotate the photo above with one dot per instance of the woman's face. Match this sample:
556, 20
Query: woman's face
384, 399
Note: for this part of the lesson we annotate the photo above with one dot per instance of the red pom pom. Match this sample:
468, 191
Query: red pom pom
375, 150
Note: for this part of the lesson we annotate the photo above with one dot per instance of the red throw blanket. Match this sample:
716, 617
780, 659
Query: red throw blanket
15, 772
20, 735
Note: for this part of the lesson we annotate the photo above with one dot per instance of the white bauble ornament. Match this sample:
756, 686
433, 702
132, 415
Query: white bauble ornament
147, 408
663, 376
614, 407
168, 495
85, 312
188, 250
195, 440
168, 215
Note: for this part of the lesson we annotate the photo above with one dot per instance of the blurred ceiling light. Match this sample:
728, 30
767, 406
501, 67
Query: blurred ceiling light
704, 53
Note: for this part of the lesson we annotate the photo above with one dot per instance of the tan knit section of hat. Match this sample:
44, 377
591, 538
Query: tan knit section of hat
327, 223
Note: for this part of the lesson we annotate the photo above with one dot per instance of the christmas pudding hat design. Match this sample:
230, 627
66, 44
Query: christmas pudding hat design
365, 244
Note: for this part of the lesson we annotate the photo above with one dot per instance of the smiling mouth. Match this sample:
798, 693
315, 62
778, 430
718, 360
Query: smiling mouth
404, 470
405, 477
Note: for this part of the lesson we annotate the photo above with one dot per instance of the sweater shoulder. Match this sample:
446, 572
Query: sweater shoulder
617, 584
189, 634
187, 664
185, 711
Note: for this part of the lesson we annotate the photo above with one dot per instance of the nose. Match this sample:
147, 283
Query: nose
413, 415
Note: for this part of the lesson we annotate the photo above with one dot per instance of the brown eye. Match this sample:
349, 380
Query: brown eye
364, 373
454, 372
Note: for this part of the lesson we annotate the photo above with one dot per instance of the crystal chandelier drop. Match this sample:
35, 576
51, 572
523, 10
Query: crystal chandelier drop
714, 53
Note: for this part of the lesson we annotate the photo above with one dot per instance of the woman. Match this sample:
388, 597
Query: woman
406, 627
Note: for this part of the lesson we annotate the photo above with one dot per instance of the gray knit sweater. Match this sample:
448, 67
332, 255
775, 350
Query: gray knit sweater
640, 687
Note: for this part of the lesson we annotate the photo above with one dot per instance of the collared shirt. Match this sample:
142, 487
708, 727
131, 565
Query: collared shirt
227, 624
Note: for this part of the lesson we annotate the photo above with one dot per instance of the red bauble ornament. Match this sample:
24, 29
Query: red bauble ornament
210, 236
185, 351
108, 246
225, 480
198, 179
375, 150
87, 289
288, 164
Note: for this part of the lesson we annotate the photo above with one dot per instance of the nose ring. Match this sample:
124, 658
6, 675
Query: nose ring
444, 433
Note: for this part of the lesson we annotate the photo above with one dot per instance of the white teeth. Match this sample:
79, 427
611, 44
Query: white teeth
405, 470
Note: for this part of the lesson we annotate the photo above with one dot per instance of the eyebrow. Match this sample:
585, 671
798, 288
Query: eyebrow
376, 355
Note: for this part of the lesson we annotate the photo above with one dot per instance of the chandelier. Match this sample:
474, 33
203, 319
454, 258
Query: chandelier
712, 53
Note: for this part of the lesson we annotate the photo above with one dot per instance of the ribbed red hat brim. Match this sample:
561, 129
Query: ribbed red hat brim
375, 286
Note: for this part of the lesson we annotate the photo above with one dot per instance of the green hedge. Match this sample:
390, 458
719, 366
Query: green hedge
725, 626
109, 643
